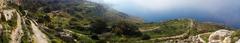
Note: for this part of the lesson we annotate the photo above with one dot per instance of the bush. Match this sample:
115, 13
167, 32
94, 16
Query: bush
146, 37
99, 27
127, 29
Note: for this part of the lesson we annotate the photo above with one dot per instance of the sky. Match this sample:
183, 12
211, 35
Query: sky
168, 4
223, 11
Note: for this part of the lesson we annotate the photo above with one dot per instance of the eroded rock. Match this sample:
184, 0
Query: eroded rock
38, 35
8, 14
2, 4
238, 41
17, 32
220, 36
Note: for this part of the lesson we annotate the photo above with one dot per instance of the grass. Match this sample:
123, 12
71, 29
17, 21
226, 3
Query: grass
169, 28
82, 38
205, 37
235, 36
6, 34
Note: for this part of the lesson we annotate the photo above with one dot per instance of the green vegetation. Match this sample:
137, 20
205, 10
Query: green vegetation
5, 37
235, 36
205, 37
88, 22
170, 28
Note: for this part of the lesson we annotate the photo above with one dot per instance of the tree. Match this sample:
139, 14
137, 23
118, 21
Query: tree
127, 29
99, 27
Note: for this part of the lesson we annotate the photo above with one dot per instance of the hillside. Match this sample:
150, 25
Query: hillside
189, 31
81, 21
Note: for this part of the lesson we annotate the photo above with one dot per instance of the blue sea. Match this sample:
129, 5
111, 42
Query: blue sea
226, 12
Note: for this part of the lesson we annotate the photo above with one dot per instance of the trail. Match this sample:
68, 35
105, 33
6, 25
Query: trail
144, 30
74, 32
205, 33
191, 24
38, 36
181, 36
171, 37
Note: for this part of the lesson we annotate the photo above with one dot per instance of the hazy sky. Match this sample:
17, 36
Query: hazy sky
168, 4
226, 11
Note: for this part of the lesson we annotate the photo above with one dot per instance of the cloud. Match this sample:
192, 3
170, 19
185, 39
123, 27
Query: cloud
159, 4
169, 4
147, 4
214, 7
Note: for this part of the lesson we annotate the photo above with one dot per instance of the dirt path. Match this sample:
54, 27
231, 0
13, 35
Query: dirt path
180, 36
17, 33
191, 24
171, 37
205, 33
144, 30
74, 32
38, 36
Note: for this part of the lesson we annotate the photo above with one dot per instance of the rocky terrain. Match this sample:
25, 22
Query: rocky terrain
81, 21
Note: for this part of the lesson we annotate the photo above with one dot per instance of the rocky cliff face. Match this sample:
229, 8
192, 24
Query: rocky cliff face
12, 26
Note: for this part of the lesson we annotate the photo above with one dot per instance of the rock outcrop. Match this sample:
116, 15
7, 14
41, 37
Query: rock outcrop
190, 39
220, 36
38, 35
238, 41
2, 4
17, 32
8, 14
